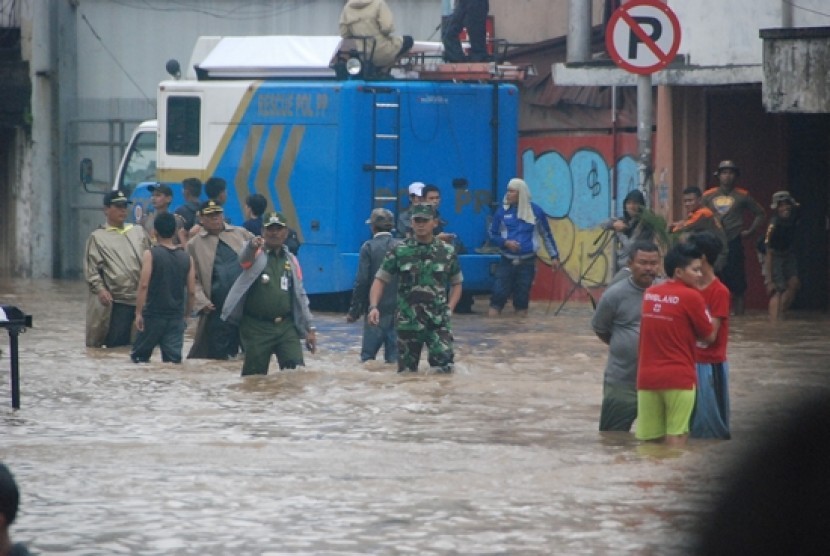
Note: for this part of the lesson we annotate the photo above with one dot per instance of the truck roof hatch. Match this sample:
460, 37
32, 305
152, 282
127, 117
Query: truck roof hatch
268, 57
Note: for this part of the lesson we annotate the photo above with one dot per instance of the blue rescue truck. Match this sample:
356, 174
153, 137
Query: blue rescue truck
326, 147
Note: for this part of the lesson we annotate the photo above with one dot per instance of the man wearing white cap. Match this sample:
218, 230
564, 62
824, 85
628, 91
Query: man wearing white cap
416, 189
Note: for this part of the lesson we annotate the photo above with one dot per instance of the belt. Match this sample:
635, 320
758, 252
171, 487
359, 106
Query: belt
520, 259
275, 320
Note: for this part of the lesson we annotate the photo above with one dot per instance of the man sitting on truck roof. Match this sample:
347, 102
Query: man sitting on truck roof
371, 21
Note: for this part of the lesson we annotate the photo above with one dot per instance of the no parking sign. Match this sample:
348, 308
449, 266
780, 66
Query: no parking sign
643, 36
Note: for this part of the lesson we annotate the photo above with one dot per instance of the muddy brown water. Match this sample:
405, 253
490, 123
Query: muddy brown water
503, 457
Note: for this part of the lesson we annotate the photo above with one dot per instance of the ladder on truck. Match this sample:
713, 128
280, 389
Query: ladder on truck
384, 168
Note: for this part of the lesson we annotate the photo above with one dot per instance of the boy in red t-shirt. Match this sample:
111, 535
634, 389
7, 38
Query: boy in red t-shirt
710, 418
674, 318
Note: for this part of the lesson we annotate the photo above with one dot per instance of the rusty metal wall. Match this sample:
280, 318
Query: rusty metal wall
797, 70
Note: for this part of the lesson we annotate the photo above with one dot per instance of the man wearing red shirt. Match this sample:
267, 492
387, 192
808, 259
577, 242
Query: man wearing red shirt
674, 318
710, 418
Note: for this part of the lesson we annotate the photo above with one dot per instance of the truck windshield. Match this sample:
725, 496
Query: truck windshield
141, 162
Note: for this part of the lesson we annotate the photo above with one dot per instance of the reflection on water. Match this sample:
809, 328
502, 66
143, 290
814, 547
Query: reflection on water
502, 457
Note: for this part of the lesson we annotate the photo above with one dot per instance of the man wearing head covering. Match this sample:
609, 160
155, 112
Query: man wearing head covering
160, 198
404, 226
216, 190
269, 303
426, 269
112, 267
373, 18
372, 253
516, 229
627, 229
780, 261
215, 250
731, 203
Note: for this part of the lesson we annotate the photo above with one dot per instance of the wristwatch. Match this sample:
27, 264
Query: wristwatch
372, 307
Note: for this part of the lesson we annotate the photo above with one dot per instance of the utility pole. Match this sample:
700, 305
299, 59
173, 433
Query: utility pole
645, 122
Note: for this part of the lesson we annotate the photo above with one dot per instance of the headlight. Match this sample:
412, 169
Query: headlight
354, 66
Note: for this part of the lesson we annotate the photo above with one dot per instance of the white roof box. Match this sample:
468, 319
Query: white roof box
265, 57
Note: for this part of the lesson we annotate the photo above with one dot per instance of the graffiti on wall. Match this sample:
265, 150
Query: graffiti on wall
576, 193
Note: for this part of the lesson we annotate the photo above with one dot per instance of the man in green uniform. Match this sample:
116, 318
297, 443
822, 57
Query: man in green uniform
425, 267
269, 303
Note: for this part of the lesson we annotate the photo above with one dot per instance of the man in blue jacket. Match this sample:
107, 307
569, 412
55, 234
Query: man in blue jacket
516, 229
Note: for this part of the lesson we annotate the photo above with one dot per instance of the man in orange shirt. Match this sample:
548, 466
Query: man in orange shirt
700, 219
731, 204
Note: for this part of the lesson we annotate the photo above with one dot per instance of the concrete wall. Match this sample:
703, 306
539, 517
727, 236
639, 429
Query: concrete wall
529, 21
797, 70
142, 36
725, 32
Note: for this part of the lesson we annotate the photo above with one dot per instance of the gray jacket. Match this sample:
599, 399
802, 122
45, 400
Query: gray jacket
372, 253
235, 302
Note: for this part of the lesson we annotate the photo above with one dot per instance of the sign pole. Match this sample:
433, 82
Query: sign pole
645, 123
643, 36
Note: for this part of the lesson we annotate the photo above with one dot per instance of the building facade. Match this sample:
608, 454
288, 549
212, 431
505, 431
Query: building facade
82, 73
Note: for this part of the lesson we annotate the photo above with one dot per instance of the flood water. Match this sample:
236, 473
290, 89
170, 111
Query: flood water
502, 457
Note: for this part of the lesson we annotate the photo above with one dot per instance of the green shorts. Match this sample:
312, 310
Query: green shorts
619, 407
663, 412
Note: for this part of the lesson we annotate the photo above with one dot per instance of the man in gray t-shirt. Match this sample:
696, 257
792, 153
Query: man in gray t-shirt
617, 323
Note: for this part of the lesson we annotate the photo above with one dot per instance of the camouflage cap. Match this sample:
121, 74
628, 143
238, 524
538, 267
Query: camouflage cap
274, 219
422, 210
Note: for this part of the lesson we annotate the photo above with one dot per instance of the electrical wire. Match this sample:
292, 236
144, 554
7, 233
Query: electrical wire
806, 9
254, 9
117, 63
8, 9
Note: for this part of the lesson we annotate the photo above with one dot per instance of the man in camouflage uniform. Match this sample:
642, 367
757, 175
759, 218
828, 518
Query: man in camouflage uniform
425, 267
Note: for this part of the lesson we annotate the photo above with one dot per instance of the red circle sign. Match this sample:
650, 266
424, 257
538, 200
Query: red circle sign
643, 36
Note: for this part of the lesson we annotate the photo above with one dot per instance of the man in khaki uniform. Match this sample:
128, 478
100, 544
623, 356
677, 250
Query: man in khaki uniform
112, 268
215, 250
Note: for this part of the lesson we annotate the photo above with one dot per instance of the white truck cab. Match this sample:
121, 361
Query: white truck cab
140, 160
